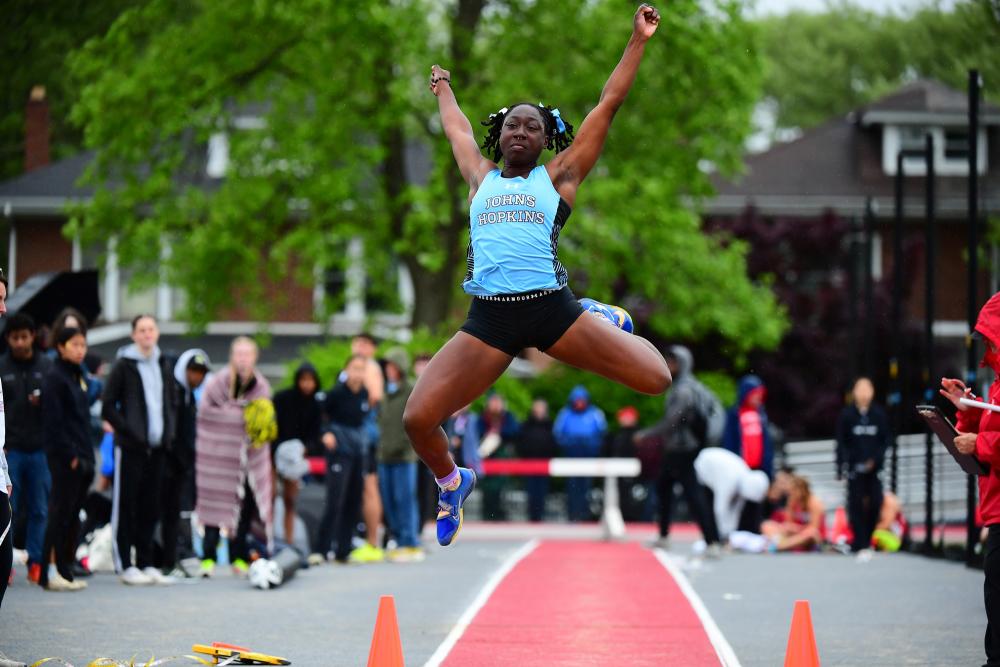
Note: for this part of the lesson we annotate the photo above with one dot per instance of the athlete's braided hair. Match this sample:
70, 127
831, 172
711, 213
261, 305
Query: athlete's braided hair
558, 133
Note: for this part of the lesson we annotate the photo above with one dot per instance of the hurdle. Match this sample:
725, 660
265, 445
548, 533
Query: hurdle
611, 469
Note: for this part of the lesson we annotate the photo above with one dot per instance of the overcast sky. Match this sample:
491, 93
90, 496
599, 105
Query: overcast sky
783, 6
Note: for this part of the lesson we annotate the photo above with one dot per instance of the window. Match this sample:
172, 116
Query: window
951, 149
956, 145
912, 138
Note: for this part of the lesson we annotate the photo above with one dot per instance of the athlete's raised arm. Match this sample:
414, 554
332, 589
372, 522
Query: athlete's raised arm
569, 168
458, 129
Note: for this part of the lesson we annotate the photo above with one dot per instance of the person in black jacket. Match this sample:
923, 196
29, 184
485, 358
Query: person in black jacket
863, 436
23, 370
70, 453
140, 403
178, 493
536, 441
300, 417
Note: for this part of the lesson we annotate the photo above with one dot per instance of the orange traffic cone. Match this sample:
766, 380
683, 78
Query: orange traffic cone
387, 649
801, 650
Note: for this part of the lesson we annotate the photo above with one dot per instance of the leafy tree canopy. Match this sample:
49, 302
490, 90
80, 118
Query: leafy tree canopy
342, 89
34, 40
820, 65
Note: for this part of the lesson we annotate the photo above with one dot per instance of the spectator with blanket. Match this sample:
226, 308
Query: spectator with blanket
233, 459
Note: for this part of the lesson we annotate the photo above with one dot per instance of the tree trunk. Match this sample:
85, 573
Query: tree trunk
434, 289
433, 294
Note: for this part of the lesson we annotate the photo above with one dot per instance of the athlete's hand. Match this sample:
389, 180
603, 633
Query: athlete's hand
437, 74
953, 390
329, 441
966, 443
645, 21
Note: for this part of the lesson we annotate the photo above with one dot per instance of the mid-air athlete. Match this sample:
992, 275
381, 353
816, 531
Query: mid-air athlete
520, 296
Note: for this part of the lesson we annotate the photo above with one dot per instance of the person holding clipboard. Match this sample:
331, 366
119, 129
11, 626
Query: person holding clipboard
979, 436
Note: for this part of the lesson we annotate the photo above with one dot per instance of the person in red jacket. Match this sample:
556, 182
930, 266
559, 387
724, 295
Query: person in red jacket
980, 436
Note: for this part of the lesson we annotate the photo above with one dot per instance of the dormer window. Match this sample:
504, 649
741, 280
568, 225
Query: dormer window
951, 149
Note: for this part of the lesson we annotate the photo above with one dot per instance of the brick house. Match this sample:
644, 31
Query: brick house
833, 169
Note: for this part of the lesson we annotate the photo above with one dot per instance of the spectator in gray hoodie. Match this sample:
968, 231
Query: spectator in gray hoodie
140, 403
682, 433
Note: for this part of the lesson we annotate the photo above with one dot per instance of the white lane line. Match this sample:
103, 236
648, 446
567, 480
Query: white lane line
719, 642
470, 613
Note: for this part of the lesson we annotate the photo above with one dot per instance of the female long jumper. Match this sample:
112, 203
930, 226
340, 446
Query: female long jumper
520, 295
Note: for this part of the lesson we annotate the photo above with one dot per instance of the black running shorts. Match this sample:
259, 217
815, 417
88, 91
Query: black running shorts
513, 322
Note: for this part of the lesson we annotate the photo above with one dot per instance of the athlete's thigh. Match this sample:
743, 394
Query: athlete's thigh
599, 347
458, 374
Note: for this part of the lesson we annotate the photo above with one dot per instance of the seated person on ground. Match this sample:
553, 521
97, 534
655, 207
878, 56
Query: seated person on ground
800, 526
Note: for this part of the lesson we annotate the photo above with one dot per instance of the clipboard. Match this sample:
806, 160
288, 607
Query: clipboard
942, 427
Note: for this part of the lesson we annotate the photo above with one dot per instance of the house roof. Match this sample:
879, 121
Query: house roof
929, 96
47, 190
838, 165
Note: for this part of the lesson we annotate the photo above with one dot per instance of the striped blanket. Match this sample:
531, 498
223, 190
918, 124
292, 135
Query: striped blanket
224, 459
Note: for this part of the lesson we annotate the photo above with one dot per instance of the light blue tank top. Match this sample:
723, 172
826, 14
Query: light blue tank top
515, 225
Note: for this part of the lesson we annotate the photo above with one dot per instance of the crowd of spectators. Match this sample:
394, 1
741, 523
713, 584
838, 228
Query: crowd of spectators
188, 458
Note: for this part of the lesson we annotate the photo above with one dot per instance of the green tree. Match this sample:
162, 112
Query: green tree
35, 38
342, 88
818, 66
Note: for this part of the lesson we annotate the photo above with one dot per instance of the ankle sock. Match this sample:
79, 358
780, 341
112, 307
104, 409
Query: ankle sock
450, 481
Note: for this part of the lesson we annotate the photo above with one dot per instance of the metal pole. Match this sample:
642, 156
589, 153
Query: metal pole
970, 377
869, 330
852, 286
929, 255
896, 387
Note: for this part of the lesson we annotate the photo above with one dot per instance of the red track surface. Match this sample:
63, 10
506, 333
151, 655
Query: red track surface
585, 603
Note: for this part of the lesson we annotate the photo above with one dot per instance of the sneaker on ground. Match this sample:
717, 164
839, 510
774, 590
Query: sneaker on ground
450, 516
207, 568
366, 553
78, 585
34, 574
58, 583
158, 577
240, 567
315, 559
9, 662
400, 555
417, 554
713, 550
660, 543
133, 576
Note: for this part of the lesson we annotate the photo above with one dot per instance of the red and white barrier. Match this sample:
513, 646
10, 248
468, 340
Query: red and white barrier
610, 469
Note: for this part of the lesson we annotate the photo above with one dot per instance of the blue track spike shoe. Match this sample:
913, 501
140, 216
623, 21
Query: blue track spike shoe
616, 315
449, 519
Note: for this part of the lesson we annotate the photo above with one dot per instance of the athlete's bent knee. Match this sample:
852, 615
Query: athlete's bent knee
417, 421
660, 381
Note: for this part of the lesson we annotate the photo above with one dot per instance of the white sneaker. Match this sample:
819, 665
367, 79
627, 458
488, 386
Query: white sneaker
58, 583
133, 576
713, 551
9, 662
660, 543
158, 577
